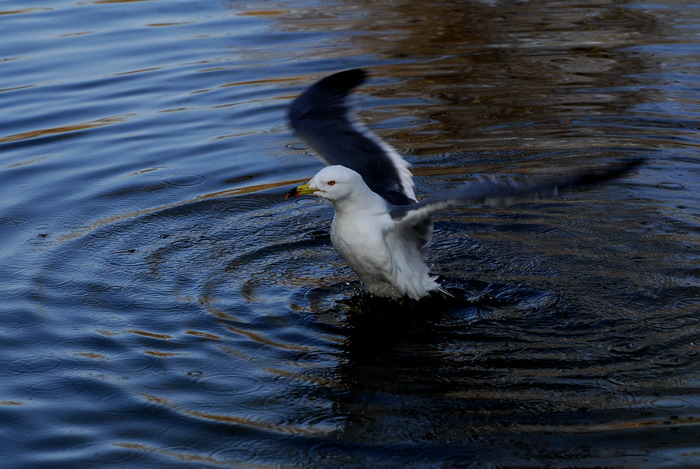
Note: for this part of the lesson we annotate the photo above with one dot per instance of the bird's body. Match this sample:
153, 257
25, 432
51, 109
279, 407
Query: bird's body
385, 254
379, 227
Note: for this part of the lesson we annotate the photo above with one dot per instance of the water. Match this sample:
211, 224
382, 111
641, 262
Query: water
164, 306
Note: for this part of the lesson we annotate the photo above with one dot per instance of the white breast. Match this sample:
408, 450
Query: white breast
388, 263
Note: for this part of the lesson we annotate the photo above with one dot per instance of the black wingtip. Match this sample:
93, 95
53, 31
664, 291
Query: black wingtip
324, 100
609, 172
343, 81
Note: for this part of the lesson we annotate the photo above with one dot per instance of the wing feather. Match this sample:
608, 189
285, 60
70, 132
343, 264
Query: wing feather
506, 192
322, 117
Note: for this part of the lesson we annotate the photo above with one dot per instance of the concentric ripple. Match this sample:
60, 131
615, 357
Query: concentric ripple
164, 306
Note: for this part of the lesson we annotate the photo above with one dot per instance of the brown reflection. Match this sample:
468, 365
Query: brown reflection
24, 11
204, 335
182, 456
235, 419
163, 354
493, 76
98, 2
65, 129
150, 334
260, 339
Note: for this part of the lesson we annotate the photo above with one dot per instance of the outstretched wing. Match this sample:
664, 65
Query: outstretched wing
505, 191
321, 117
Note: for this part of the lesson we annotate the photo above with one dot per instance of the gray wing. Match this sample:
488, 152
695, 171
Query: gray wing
321, 117
505, 192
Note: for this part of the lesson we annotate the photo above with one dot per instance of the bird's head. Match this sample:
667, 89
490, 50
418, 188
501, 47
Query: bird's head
332, 182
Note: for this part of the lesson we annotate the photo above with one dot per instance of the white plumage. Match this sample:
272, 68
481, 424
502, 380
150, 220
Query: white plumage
385, 253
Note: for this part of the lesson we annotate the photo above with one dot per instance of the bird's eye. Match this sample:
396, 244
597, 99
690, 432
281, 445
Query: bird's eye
331, 183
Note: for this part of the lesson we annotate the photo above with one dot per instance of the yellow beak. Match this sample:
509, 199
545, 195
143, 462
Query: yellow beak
304, 189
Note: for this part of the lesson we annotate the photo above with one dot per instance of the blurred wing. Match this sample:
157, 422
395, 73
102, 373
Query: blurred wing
321, 117
506, 192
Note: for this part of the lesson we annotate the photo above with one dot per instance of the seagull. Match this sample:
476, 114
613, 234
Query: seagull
379, 227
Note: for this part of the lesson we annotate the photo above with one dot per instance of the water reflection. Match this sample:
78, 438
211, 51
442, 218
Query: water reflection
573, 61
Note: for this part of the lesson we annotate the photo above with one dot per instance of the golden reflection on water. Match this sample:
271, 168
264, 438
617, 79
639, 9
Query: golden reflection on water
150, 334
178, 455
66, 128
507, 74
98, 2
262, 340
24, 11
204, 335
237, 419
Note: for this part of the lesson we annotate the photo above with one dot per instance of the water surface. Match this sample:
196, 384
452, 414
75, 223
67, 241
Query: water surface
164, 306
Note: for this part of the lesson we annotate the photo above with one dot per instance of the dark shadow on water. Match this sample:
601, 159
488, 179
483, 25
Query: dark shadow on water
409, 347
417, 382
467, 298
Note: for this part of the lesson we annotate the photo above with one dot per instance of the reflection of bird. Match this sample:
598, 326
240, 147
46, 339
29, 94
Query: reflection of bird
379, 228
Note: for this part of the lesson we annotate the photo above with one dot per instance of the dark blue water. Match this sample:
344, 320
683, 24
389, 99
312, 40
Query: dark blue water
163, 305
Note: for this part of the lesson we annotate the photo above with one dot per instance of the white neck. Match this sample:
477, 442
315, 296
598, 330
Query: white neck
360, 199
